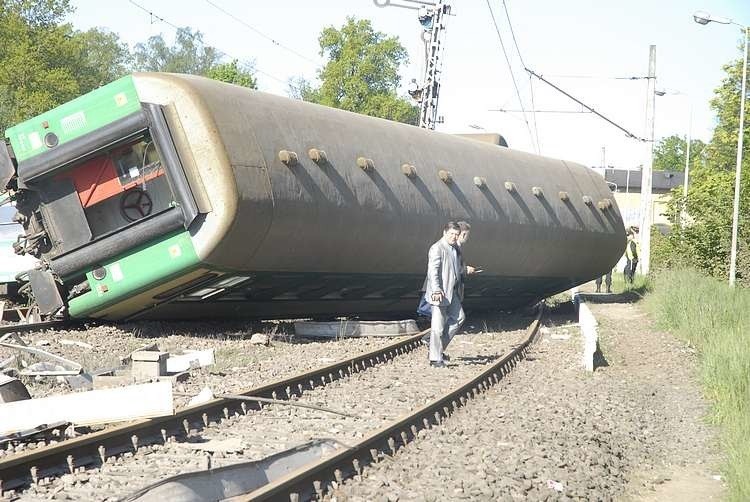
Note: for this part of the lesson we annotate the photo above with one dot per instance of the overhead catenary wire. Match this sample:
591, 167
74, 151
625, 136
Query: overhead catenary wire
168, 23
260, 33
531, 86
592, 110
512, 76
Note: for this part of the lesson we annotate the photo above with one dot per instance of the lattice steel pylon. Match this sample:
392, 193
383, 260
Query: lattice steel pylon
432, 17
434, 22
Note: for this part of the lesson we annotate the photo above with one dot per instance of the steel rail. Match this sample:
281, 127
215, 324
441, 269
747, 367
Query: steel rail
28, 467
312, 480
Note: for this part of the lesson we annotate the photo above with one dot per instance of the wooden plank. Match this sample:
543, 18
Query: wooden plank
345, 329
89, 408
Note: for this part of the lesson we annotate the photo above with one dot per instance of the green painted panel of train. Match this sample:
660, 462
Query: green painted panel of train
141, 268
75, 118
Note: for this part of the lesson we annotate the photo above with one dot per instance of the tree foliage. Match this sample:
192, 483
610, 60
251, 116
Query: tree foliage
669, 154
722, 150
702, 222
44, 63
188, 54
362, 73
233, 73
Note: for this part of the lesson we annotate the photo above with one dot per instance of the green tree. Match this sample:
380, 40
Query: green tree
233, 73
44, 63
702, 222
722, 150
362, 73
669, 154
188, 54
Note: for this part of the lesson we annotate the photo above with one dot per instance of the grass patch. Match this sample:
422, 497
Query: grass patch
715, 320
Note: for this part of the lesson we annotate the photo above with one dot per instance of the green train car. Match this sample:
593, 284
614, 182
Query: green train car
163, 196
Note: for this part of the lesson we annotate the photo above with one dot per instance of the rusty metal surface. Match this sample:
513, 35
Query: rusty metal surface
334, 214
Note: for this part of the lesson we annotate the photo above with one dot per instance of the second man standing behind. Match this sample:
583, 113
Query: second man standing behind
443, 291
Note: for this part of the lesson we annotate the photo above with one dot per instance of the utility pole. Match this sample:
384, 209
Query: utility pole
646, 195
432, 17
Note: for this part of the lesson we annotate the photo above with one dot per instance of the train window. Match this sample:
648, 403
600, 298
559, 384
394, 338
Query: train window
120, 186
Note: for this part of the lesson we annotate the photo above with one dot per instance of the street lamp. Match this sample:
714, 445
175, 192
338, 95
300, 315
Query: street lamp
704, 18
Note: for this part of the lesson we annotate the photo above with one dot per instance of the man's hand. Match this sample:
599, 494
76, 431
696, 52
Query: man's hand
472, 270
437, 296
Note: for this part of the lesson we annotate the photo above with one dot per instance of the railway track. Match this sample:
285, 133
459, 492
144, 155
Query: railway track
157, 446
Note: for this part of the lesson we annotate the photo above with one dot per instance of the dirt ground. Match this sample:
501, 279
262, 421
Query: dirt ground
634, 349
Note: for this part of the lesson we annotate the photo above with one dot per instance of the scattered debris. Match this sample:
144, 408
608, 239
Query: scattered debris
148, 364
39, 352
42, 343
15, 337
149, 346
555, 485
347, 328
190, 359
45, 369
260, 339
77, 343
89, 408
233, 480
41, 430
12, 389
11, 361
204, 396
84, 381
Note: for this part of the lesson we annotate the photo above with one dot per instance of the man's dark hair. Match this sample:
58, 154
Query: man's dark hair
464, 226
451, 225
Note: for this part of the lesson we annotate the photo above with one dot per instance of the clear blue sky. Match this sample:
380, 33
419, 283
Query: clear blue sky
575, 37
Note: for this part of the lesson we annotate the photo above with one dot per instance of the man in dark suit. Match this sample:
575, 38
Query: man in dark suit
444, 283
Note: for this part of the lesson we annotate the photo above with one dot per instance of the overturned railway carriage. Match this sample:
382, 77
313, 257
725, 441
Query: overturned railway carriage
174, 196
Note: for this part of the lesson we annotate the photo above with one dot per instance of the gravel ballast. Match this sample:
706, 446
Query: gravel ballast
550, 431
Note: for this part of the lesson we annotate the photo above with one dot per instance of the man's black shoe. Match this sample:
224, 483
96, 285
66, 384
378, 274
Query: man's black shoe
437, 364
446, 357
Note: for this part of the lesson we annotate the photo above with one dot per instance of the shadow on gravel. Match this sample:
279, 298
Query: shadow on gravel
599, 360
477, 360
629, 296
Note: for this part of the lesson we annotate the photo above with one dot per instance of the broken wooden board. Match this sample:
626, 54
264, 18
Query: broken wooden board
89, 408
191, 359
346, 329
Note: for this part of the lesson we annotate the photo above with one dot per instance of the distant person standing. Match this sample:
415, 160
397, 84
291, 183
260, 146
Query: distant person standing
444, 279
607, 280
632, 251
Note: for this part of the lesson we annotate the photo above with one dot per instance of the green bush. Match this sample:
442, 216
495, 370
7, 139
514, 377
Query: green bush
715, 319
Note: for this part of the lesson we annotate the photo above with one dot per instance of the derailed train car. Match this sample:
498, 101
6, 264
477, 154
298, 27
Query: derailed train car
165, 196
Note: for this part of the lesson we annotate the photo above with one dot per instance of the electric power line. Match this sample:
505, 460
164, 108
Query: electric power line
161, 19
601, 77
512, 76
531, 86
628, 133
257, 31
